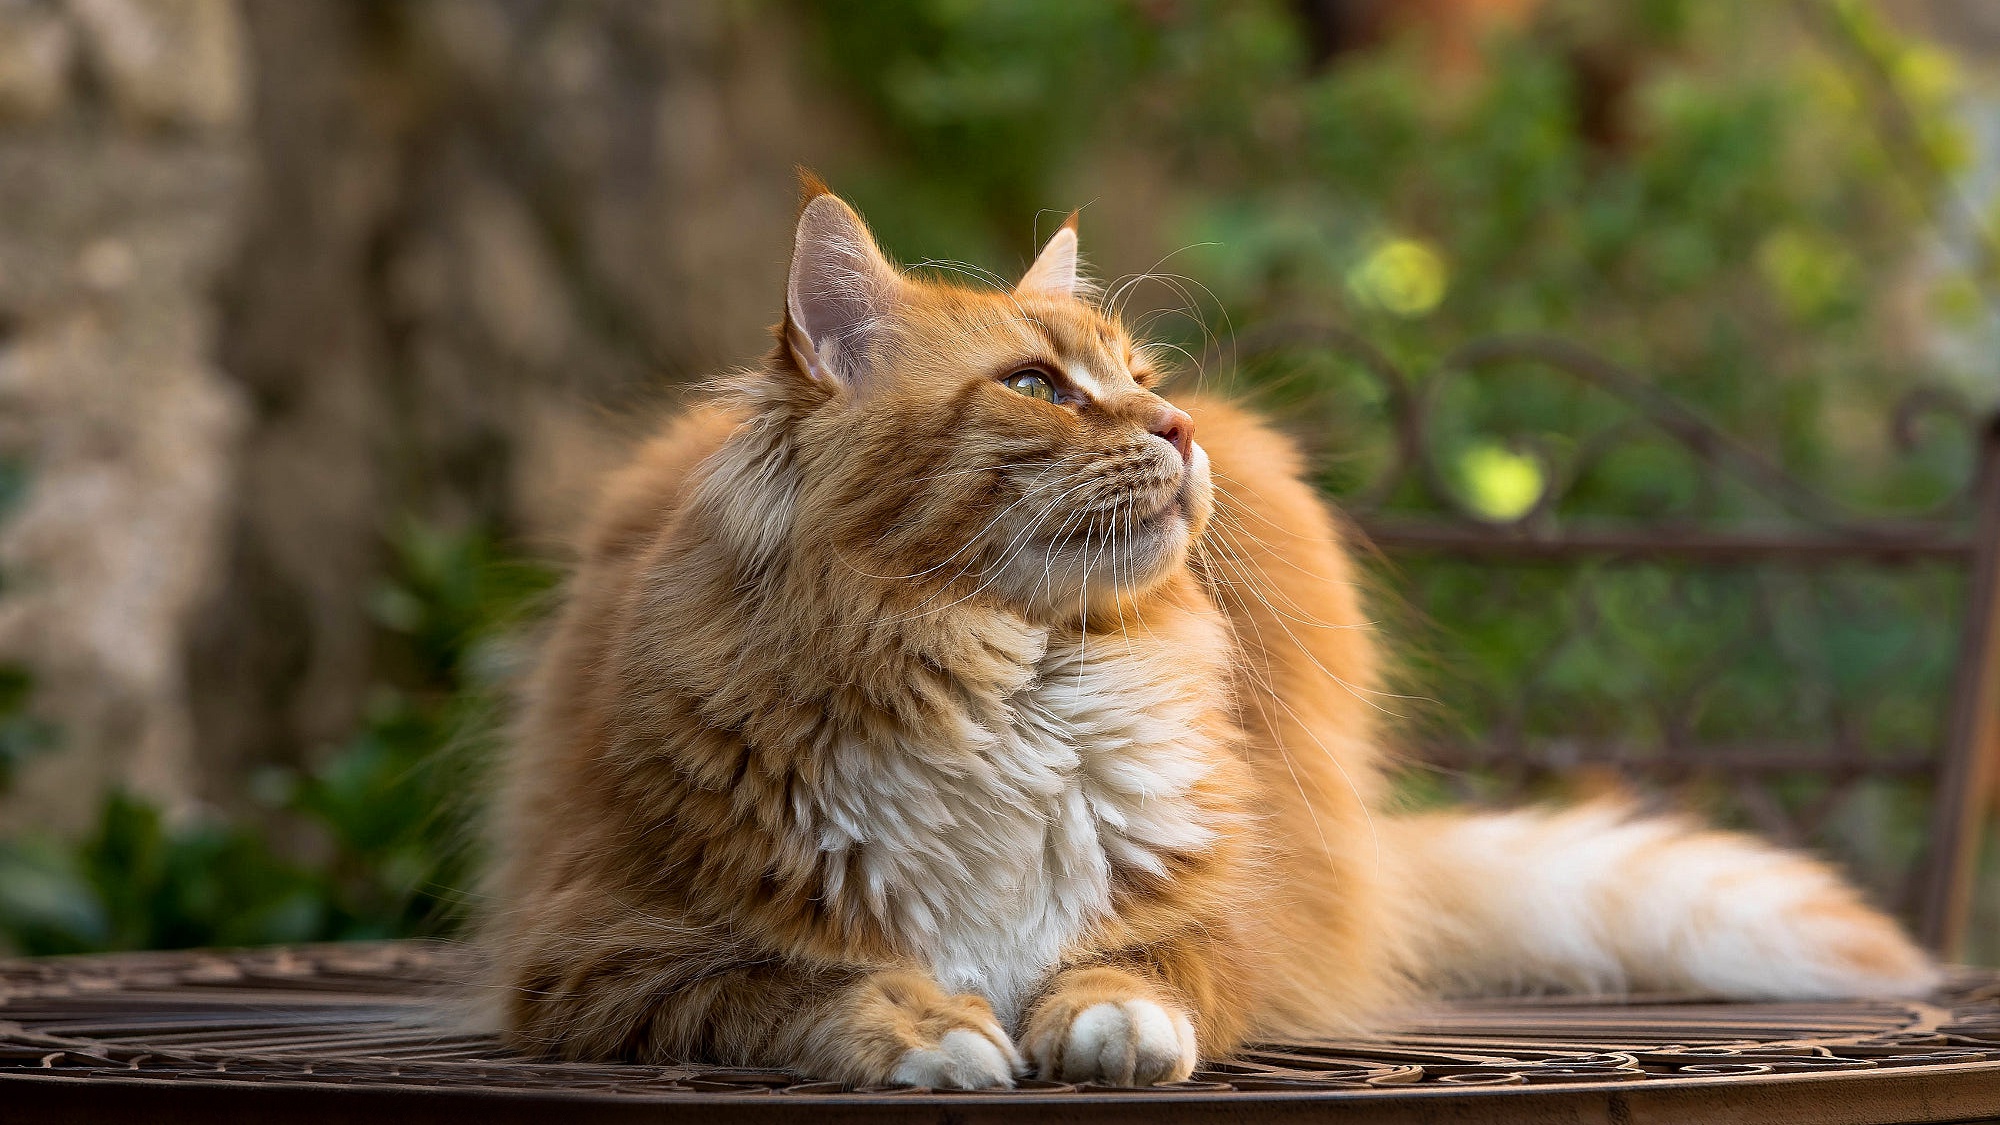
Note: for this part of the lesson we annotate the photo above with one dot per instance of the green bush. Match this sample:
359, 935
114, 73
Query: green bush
377, 841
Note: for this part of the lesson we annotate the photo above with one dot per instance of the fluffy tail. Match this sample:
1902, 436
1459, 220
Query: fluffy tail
1598, 899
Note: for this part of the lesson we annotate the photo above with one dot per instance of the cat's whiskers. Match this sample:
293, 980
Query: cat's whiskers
1113, 536
1057, 541
1114, 299
1268, 693
1013, 549
1049, 553
1026, 493
1243, 558
1263, 699
1226, 518
1083, 611
1131, 572
1176, 373
1277, 697
1140, 613
1190, 307
1229, 521
1223, 478
1225, 487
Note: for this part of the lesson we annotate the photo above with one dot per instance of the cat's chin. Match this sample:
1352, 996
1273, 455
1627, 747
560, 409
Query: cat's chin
1151, 555
1145, 554
1151, 551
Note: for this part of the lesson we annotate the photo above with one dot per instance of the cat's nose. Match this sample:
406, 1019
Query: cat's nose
1173, 424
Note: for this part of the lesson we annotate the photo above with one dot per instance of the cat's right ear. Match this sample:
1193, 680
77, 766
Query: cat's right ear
840, 292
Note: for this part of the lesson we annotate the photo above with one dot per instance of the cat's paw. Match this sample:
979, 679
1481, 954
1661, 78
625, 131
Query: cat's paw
1117, 1042
899, 1026
973, 1056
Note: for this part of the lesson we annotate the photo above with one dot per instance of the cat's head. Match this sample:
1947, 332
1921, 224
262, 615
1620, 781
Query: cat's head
985, 438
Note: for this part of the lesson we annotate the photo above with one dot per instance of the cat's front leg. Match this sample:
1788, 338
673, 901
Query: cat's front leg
861, 1026
1111, 1025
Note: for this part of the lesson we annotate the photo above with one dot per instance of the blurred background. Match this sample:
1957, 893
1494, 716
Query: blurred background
317, 318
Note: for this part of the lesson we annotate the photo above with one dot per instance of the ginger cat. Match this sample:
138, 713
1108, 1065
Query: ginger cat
938, 704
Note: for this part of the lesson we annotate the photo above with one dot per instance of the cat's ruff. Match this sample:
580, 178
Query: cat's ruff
1003, 864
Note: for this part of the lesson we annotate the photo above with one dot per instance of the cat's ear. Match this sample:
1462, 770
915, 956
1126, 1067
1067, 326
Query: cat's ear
840, 291
1054, 270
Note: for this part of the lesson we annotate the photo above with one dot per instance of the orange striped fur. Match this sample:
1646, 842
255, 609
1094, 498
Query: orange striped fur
906, 724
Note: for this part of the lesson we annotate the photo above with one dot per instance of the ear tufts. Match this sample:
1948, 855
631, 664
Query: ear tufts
1055, 269
811, 187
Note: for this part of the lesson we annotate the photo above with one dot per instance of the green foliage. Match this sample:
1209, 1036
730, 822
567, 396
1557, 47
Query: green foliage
995, 92
21, 734
377, 841
398, 805
136, 884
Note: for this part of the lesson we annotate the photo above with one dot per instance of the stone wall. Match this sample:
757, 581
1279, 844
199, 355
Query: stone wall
279, 275
121, 165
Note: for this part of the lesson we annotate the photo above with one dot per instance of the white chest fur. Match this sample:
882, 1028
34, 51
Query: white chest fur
993, 860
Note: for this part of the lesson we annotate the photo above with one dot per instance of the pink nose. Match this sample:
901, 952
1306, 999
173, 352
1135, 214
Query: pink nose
1173, 424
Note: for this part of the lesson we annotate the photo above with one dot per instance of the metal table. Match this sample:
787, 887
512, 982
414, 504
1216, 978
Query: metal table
347, 1032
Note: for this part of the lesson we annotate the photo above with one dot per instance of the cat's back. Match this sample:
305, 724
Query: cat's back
639, 501
568, 696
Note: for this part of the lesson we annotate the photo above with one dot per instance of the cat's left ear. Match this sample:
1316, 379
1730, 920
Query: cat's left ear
1054, 270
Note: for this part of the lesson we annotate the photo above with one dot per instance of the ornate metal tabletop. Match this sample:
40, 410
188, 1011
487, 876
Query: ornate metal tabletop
336, 1032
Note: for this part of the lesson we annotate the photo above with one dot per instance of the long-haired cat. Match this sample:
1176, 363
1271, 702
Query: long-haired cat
939, 704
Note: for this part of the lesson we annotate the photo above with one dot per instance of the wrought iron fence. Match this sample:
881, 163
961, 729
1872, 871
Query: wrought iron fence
1659, 604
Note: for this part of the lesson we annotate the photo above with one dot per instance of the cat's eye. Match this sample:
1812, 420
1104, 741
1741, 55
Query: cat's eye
1033, 382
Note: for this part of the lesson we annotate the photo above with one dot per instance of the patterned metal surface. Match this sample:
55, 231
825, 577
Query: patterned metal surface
369, 1015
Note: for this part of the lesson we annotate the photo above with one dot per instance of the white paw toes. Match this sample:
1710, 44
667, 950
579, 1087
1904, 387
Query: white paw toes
1132, 1043
965, 1058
